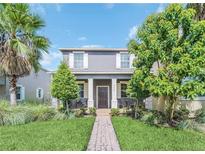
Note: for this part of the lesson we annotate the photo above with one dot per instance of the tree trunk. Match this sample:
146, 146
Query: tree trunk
172, 108
13, 81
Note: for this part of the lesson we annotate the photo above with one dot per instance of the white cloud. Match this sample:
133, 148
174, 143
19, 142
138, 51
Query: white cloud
160, 8
92, 46
133, 32
38, 8
50, 58
82, 38
58, 7
109, 5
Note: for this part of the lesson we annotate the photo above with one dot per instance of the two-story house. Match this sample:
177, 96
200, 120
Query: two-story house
102, 73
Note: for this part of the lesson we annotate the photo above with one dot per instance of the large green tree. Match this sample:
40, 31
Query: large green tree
21, 47
174, 42
64, 86
199, 8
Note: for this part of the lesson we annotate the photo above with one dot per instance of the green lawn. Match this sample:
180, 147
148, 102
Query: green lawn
51, 135
134, 135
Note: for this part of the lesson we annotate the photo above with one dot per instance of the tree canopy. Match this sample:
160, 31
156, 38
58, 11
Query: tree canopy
21, 47
64, 86
172, 42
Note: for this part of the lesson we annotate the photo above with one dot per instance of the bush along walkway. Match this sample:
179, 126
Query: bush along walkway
103, 136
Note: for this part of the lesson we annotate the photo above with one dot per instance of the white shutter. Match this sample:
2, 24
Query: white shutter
85, 60
71, 60
22, 93
66, 59
132, 57
118, 60
85, 90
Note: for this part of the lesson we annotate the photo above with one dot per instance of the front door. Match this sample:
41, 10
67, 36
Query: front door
102, 96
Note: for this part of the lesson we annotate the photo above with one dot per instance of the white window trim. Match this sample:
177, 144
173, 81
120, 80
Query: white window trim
84, 65
22, 92
129, 60
42, 93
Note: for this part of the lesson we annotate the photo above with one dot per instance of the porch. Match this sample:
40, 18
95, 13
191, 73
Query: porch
103, 93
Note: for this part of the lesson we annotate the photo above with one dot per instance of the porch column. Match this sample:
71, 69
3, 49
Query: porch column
114, 93
90, 92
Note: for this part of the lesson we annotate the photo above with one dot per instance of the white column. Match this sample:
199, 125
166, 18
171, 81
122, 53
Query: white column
114, 93
90, 92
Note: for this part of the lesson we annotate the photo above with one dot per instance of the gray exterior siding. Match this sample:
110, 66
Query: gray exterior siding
40, 80
99, 61
2, 80
30, 83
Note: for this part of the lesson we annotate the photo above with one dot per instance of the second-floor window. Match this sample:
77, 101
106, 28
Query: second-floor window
125, 60
78, 60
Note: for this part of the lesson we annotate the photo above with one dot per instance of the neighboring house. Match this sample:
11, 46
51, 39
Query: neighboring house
102, 73
35, 87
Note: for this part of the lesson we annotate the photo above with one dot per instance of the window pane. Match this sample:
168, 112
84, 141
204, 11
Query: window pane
123, 90
125, 60
78, 60
18, 93
81, 92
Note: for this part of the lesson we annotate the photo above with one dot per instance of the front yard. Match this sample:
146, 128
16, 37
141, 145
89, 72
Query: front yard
50, 135
134, 135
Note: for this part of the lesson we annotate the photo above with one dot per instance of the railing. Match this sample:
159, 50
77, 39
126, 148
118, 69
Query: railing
78, 103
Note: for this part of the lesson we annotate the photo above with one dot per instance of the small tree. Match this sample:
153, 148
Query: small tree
175, 41
64, 86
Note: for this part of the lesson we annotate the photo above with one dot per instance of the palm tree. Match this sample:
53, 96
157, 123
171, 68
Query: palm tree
21, 47
200, 10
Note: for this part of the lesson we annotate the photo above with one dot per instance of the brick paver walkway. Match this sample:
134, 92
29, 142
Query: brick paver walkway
103, 136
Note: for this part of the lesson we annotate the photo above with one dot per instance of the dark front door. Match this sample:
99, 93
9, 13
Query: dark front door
102, 97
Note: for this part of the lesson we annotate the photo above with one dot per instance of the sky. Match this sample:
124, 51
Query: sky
89, 25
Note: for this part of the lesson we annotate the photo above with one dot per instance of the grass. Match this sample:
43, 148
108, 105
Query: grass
134, 135
68, 135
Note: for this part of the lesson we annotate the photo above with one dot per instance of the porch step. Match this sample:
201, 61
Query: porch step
103, 112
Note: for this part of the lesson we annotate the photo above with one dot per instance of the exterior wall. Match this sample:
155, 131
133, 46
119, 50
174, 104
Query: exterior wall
2, 92
159, 104
99, 61
2, 80
40, 80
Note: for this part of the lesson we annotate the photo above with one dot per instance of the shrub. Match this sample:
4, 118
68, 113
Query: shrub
60, 116
79, 113
115, 112
43, 112
187, 124
181, 114
148, 118
92, 111
83, 110
200, 116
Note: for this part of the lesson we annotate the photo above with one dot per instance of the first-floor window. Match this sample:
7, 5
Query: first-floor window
81, 92
123, 90
39, 93
19, 93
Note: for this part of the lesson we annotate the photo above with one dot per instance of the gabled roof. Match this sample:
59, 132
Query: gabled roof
92, 49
